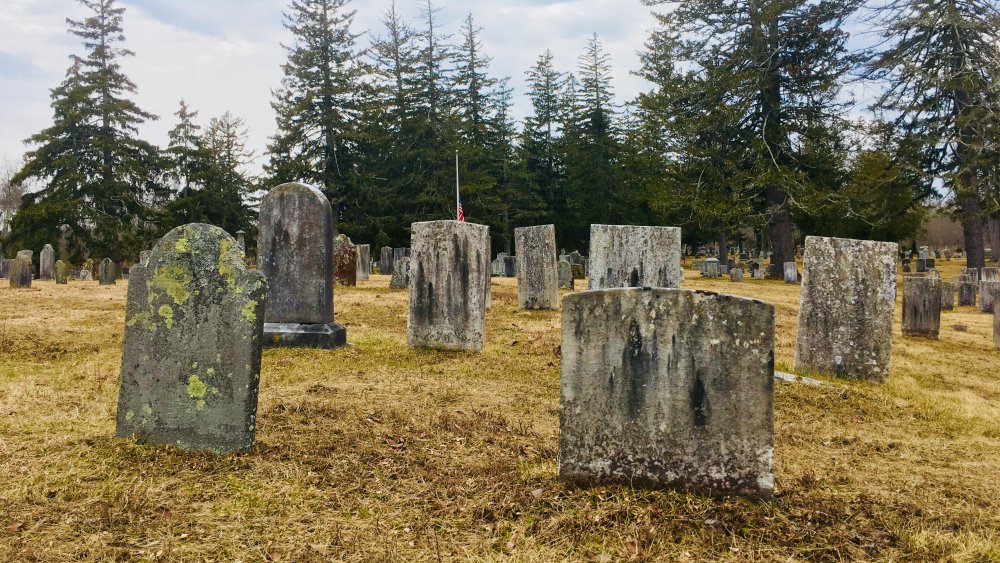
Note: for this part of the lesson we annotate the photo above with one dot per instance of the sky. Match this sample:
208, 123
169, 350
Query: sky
225, 55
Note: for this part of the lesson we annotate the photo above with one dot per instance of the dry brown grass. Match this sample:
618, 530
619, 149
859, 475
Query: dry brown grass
378, 452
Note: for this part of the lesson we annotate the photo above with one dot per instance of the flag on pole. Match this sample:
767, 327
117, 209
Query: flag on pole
458, 196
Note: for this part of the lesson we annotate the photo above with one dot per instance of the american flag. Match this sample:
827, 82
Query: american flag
461, 214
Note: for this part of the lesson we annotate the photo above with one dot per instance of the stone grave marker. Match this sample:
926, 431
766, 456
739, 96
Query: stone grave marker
5, 268
791, 272
736, 274
447, 295
633, 256
364, 262
21, 273
192, 347
107, 273
47, 263
295, 249
400, 274
973, 273
989, 274
921, 306
846, 305
988, 291
565, 275
710, 268
947, 295
87, 272
385, 263
967, 290
60, 273
651, 393
537, 274
345, 261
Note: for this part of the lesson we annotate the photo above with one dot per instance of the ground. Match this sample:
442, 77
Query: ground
378, 452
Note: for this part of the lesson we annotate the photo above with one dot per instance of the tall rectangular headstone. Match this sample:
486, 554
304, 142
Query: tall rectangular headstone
537, 273
5, 267
967, 290
400, 274
21, 273
989, 274
565, 275
385, 262
295, 246
791, 272
345, 261
364, 261
947, 295
652, 393
191, 355
845, 311
447, 294
61, 276
47, 263
632, 256
988, 293
107, 272
921, 306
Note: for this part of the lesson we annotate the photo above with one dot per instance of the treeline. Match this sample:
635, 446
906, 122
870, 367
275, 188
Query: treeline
746, 133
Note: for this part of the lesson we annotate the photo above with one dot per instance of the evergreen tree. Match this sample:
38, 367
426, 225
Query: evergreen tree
94, 173
538, 154
182, 154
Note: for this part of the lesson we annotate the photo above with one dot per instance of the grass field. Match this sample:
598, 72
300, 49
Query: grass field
381, 453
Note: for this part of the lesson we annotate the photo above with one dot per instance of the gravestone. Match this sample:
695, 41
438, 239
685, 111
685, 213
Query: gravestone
398, 253
923, 254
400, 274
565, 275
345, 261
906, 266
87, 272
488, 281
144, 257
710, 268
447, 299
64, 232
579, 265
845, 311
972, 272
295, 249
28, 255
107, 274
921, 306
21, 273
385, 262
791, 273
60, 273
988, 291
760, 273
967, 290
364, 262
191, 354
47, 263
241, 241
947, 295
989, 274
996, 328
921, 265
930, 263
652, 394
537, 276
632, 256
736, 274
5, 268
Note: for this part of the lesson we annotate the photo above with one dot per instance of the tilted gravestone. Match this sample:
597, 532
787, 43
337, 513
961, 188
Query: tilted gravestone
295, 249
21, 273
845, 311
385, 263
400, 274
631, 256
565, 275
364, 262
107, 273
47, 263
791, 273
60, 273
191, 354
947, 295
921, 306
345, 261
967, 290
447, 298
652, 394
537, 274
988, 293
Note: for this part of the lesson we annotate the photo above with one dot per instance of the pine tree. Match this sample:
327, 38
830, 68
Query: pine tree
538, 151
182, 154
94, 173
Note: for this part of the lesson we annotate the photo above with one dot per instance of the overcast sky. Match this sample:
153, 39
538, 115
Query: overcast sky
223, 55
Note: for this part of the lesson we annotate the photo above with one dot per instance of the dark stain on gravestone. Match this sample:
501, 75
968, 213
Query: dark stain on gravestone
699, 402
633, 280
638, 364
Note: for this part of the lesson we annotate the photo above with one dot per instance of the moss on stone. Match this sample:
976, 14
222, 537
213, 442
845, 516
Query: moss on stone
168, 315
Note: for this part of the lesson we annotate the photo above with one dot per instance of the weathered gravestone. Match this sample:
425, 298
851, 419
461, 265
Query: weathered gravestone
400, 274
447, 294
87, 272
398, 253
710, 268
385, 262
973, 273
60, 273
345, 261
28, 255
652, 394
144, 257
947, 295
47, 263
996, 328
537, 276
565, 275
295, 249
845, 310
988, 291
906, 266
736, 274
989, 274
921, 265
791, 273
21, 273
107, 274
967, 290
631, 256
191, 354
760, 273
5, 267
364, 262
921, 306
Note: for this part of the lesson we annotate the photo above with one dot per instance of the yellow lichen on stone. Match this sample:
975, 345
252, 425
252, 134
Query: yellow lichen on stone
200, 405
148, 409
174, 280
129, 415
181, 245
168, 315
229, 257
249, 311
196, 387
143, 320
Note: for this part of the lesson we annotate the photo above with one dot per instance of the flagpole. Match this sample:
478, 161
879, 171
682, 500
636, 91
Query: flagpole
458, 197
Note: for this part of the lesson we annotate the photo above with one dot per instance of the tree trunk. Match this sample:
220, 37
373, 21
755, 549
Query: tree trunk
780, 231
723, 249
994, 228
972, 226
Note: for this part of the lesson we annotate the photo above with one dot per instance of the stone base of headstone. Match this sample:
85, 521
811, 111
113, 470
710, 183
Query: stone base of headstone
330, 335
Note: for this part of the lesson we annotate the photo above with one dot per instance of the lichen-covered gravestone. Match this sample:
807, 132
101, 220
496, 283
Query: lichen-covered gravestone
537, 275
364, 262
921, 306
967, 290
60, 273
947, 296
400, 274
632, 256
385, 263
191, 353
107, 274
565, 275
47, 263
295, 249
21, 273
791, 273
345, 261
736, 274
710, 268
845, 308
988, 293
447, 294
28, 255
653, 394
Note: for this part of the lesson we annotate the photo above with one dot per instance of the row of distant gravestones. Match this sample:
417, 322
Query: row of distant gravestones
652, 391
20, 270
924, 297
